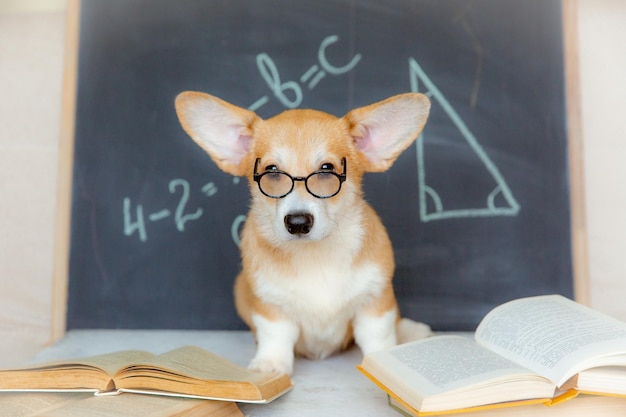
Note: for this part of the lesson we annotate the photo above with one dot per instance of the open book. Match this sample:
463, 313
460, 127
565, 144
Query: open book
81, 404
533, 350
188, 372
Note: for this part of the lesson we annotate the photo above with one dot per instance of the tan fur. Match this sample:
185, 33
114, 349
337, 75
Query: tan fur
312, 293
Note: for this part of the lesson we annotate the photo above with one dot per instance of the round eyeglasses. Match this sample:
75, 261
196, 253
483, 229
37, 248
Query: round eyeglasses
275, 183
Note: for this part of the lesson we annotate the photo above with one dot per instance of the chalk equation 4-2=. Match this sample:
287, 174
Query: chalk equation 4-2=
137, 218
136, 222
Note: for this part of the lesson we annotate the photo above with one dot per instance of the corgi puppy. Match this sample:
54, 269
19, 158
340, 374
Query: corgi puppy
317, 263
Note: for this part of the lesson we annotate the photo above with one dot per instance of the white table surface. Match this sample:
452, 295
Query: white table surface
321, 388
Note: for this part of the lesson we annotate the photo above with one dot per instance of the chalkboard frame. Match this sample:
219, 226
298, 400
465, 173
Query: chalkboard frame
66, 155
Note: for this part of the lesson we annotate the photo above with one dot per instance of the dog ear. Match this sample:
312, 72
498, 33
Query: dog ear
381, 131
223, 130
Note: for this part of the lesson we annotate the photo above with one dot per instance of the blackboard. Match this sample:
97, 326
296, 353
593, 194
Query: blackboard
478, 210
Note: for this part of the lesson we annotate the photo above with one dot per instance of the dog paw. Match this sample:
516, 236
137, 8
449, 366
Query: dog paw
409, 330
271, 365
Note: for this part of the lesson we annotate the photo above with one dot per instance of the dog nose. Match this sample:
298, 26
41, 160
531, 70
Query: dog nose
299, 223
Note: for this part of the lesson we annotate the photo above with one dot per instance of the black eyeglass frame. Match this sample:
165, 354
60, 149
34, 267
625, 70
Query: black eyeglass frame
342, 178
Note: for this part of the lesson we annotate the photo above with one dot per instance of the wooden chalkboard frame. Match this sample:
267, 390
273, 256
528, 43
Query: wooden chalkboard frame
66, 154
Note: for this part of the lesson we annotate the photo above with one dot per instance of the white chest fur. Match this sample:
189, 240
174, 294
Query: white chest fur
321, 295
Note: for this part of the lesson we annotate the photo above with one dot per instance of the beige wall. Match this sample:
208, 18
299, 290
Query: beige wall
31, 52
602, 49
31, 48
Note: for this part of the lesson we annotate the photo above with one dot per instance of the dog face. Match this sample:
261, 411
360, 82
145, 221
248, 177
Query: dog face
302, 144
317, 152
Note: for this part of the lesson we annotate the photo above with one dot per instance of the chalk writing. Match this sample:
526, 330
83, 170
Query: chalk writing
290, 94
511, 207
234, 228
137, 223
270, 74
311, 77
210, 189
180, 218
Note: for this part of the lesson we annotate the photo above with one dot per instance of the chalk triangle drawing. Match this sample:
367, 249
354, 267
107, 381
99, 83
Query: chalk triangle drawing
507, 204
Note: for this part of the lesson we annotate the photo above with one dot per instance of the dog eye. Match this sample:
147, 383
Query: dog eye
327, 167
271, 168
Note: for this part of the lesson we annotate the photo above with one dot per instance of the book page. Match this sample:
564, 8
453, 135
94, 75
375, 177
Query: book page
112, 362
551, 335
603, 379
28, 404
198, 363
109, 362
131, 405
453, 362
